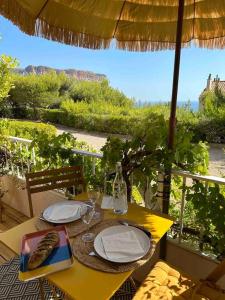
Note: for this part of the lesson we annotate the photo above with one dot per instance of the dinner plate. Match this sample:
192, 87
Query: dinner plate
140, 235
66, 206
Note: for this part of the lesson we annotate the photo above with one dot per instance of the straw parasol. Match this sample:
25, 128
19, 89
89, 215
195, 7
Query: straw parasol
134, 25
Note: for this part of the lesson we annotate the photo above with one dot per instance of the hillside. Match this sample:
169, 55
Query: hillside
78, 74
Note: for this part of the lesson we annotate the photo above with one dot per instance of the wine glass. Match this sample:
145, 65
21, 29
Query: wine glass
87, 218
93, 198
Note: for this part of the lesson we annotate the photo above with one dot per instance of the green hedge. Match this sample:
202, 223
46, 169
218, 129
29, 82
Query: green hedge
91, 122
26, 129
210, 128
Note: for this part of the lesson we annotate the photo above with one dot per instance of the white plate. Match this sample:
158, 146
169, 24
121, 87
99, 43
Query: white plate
47, 212
141, 236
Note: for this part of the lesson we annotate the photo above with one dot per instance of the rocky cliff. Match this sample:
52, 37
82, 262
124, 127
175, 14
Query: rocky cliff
78, 74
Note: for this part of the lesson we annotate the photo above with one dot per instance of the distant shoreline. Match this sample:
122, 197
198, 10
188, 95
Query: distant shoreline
194, 104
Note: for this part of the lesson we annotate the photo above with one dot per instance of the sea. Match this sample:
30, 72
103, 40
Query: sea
194, 105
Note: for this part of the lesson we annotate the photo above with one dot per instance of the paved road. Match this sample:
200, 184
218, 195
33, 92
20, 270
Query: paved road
217, 160
93, 139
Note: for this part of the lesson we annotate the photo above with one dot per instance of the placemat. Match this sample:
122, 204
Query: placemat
81, 251
73, 228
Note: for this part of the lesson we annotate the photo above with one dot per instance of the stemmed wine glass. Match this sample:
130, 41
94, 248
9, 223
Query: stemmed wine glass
86, 218
93, 197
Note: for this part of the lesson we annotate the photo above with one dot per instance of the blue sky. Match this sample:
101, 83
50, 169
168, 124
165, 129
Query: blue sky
144, 76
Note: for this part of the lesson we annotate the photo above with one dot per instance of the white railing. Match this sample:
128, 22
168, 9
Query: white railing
186, 178
26, 143
23, 143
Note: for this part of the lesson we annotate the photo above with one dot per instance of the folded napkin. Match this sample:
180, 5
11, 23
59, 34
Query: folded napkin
122, 245
63, 212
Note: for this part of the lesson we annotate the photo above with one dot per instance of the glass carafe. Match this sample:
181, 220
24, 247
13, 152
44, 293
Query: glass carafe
119, 192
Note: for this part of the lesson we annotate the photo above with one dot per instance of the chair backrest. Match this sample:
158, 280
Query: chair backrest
65, 177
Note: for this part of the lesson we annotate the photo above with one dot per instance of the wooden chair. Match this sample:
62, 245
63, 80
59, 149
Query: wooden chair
167, 283
65, 177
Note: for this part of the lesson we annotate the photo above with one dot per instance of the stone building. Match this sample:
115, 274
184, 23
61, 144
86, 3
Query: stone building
211, 84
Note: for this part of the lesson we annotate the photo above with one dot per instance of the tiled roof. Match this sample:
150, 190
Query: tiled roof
220, 84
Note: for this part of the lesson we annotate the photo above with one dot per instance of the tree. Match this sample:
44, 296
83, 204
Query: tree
6, 78
212, 100
146, 151
98, 91
66, 84
34, 91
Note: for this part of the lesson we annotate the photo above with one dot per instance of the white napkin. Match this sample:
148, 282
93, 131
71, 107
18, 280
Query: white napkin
63, 212
122, 245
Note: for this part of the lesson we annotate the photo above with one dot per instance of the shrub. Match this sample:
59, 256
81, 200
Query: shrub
6, 82
26, 129
210, 130
34, 90
118, 124
51, 115
98, 91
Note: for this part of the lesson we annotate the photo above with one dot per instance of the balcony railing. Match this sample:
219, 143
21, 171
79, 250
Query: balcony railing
187, 179
24, 144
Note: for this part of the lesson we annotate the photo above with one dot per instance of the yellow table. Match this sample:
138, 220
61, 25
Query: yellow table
83, 283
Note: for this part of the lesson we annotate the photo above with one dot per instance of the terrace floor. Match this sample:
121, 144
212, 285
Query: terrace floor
11, 218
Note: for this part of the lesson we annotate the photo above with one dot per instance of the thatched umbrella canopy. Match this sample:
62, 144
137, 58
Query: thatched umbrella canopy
134, 25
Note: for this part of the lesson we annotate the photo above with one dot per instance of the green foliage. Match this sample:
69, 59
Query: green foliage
25, 129
146, 151
49, 90
6, 83
91, 122
52, 152
211, 130
212, 100
66, 84
209, 209
220, 97
208, 102
97, 107
91, 92
187, 155
33, 91
105, 117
